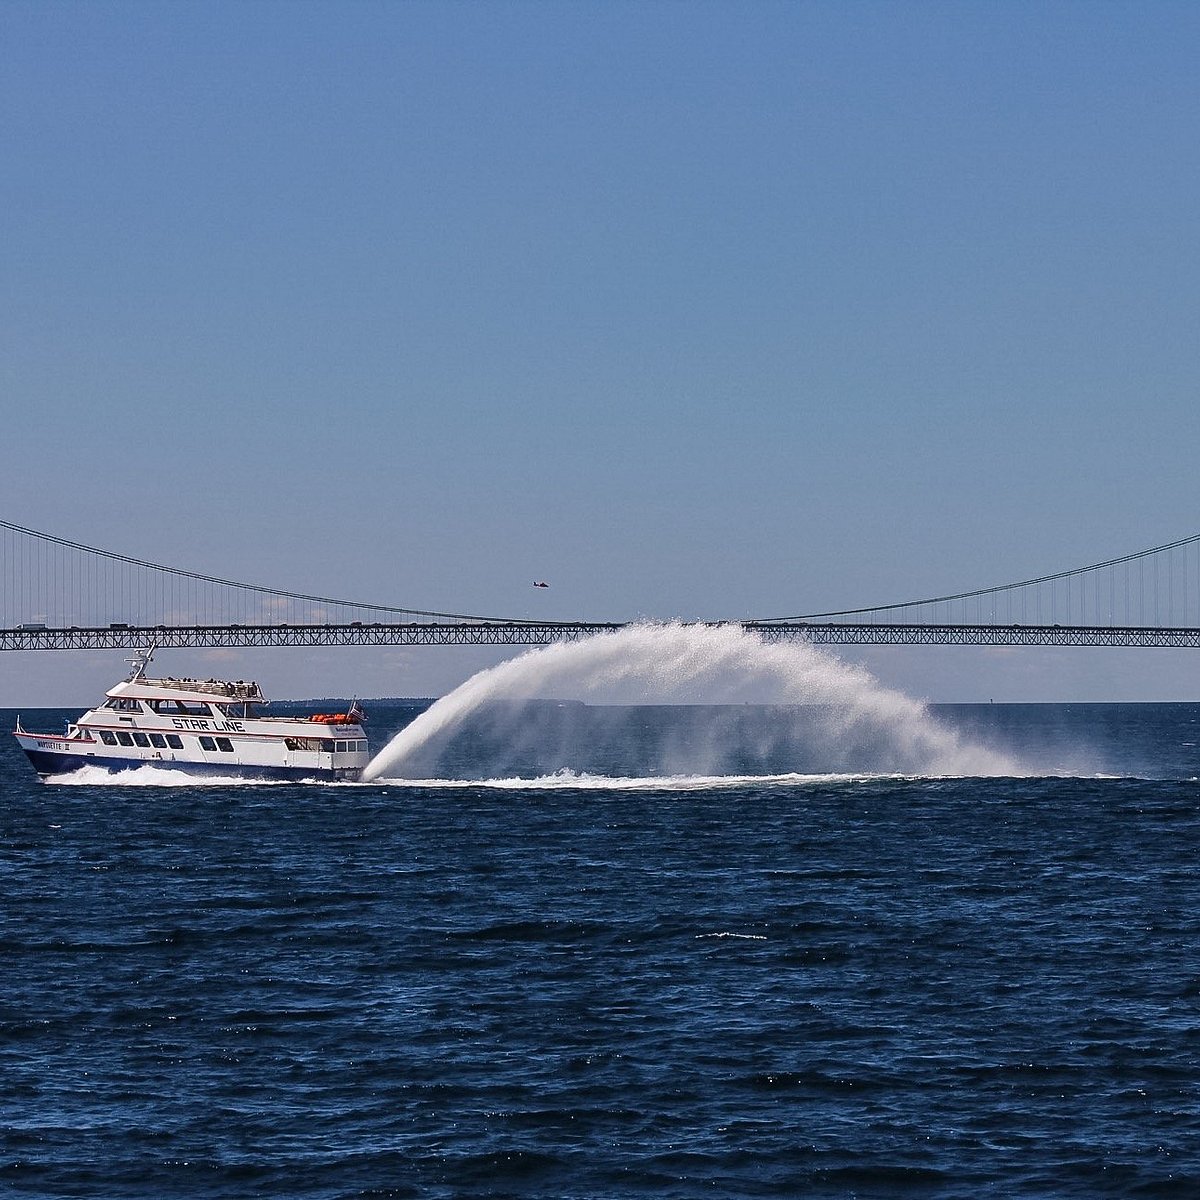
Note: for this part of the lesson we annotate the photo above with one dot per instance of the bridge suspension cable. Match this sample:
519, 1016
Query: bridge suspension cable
47, 581
258, 589
990, 591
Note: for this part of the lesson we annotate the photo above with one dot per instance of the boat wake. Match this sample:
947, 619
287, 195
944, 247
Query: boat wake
159, 777
566, 780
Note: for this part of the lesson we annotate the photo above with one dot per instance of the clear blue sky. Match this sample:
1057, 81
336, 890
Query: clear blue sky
694, 309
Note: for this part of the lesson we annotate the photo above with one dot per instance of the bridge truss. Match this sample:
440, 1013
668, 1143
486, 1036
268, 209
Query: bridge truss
489, 633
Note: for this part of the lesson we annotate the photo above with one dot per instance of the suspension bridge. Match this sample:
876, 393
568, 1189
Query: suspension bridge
58, 594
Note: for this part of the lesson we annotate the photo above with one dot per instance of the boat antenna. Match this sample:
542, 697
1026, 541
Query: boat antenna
140, 661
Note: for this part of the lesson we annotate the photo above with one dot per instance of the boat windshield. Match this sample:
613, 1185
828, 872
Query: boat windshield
181, 708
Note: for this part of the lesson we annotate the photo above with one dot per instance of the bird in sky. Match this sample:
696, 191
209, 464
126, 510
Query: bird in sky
539, 583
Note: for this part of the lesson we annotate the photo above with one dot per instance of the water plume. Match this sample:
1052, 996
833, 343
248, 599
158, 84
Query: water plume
826, 716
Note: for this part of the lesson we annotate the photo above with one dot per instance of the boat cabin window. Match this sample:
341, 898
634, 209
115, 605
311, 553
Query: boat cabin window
140, 739
174, 741
223, 744
303, 743
108, 737
123, 738
158, 741
180, 708
124, 704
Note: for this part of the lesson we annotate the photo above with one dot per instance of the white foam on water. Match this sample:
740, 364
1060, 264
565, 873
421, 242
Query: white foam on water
722, 664
568, 780
92, 776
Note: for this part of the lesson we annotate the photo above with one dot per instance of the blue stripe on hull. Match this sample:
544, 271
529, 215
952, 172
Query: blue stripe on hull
46, 762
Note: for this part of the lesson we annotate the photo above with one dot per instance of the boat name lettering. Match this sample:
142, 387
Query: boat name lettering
205, 724
44, 745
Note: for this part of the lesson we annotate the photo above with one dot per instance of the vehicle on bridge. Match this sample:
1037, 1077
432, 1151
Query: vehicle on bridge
201, 727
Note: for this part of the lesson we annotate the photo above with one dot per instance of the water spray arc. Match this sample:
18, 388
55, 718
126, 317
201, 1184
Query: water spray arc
850, 721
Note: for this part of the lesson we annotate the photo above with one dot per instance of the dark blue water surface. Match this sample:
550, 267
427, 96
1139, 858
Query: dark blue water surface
867, 987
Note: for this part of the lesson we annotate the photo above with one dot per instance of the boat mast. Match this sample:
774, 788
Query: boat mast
140, 661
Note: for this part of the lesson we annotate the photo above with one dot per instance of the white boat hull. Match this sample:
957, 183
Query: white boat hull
202, 727
49, 759
51, 756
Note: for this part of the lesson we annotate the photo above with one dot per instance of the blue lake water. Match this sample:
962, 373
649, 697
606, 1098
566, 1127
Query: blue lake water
827, 983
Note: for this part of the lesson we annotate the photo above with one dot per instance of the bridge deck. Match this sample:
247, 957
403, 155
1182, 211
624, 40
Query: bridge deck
125, 637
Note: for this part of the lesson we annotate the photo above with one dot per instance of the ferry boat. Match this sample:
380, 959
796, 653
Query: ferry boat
202, 727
